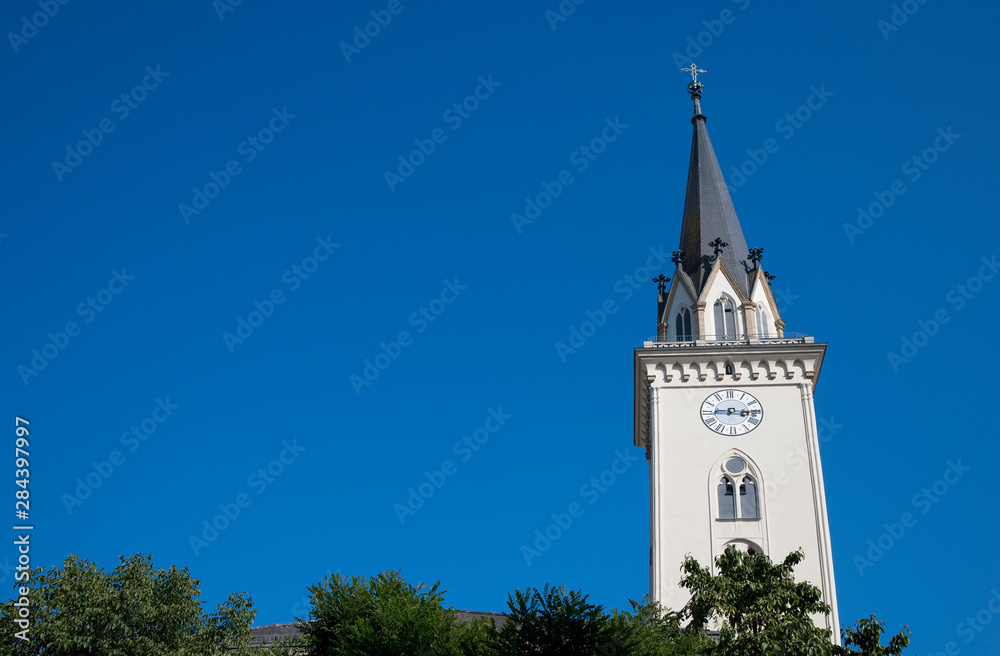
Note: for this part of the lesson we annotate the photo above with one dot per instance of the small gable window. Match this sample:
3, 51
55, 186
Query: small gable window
763, 322
725, 318
682, 323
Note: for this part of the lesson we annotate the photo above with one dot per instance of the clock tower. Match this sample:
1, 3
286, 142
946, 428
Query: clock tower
724, 403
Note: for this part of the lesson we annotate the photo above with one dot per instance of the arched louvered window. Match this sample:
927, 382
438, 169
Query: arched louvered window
748, 498
727, 501
682, 323
725, 318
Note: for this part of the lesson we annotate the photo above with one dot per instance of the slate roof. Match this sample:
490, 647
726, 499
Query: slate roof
709, 213
262, 635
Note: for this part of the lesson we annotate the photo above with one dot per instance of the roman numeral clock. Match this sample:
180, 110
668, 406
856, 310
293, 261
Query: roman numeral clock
724, 403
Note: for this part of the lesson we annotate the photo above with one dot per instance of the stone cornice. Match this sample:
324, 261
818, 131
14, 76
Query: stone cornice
768, 362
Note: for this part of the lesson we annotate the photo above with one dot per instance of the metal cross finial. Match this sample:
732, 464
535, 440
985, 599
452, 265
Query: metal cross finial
661, 281
678, 257
755, 255
718, 245
694, 70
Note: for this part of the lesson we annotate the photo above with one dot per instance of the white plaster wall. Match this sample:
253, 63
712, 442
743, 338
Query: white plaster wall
684, 473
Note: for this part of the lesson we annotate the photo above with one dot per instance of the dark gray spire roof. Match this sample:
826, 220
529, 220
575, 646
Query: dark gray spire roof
709, 213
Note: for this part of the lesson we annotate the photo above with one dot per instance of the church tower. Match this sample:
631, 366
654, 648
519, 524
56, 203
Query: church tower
724, 403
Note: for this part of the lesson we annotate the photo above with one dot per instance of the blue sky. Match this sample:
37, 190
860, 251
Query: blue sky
278, 140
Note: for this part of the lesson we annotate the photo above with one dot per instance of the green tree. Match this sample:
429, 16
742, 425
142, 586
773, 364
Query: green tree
475, 637
866, 635
136, 610
381, 616
759, 607
656, 631
557, 622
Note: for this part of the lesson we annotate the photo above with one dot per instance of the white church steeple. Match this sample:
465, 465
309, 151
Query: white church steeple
721, 290
724, 403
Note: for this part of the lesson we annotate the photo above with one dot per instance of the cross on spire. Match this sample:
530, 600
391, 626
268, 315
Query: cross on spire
678, 257
661, 281
694, 70
718, 245
694, 87
755, 255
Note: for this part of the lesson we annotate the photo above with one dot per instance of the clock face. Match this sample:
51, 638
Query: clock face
731, 412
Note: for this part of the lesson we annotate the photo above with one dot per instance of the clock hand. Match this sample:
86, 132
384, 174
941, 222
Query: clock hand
743, 413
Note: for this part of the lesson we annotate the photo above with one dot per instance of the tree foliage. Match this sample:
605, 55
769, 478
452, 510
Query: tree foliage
752, 607
759, 607
866, 635
656, 631
761, 610
382, 616
559, 622
135, 610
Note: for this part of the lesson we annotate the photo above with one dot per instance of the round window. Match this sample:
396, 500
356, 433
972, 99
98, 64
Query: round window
735, 465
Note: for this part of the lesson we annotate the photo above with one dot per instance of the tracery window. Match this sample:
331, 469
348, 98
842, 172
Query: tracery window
737, 473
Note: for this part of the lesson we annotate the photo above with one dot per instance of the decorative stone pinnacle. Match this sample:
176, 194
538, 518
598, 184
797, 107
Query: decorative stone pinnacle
661, 281
678, 257
755, 255
718, 245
